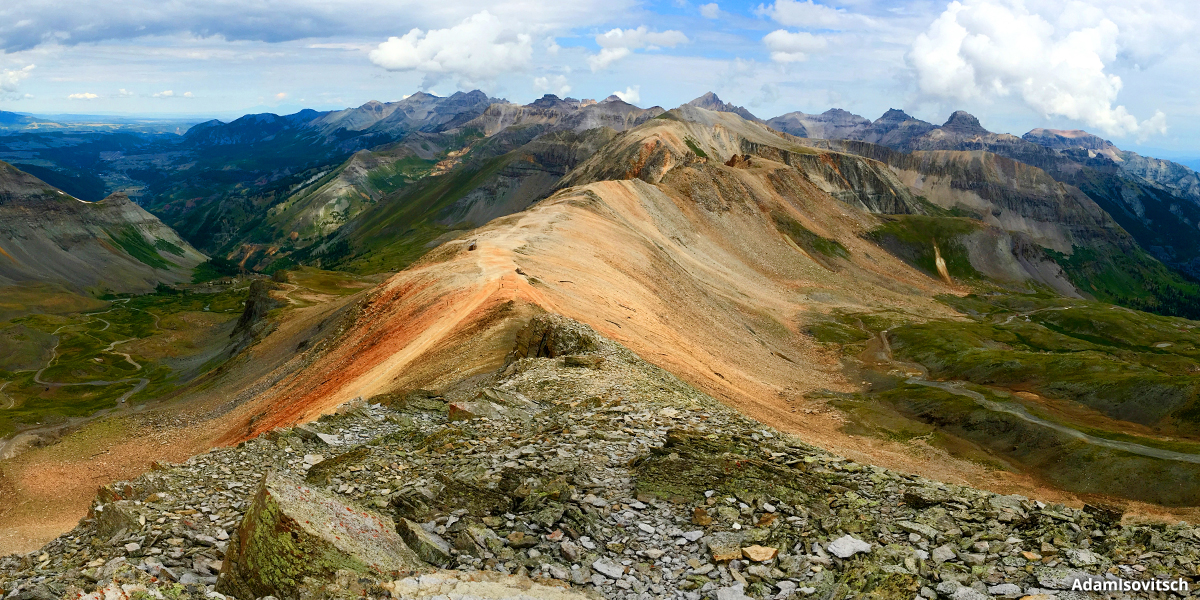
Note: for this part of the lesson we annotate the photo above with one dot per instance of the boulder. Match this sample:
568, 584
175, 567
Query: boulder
429, 546
292, 531
920, 498
847, 546
116, 517
725, 546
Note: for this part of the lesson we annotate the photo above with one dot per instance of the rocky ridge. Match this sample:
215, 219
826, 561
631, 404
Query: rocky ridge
577, 469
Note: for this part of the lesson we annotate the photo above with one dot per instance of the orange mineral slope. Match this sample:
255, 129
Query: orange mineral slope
675, 255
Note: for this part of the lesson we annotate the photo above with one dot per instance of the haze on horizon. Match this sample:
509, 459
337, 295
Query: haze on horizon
1122, 70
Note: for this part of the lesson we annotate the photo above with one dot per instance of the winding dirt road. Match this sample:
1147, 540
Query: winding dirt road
1020, 412
955, 387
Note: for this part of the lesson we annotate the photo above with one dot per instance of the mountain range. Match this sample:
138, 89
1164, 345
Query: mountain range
371, 188
1010, 312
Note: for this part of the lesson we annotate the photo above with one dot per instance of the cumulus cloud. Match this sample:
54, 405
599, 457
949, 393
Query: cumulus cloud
1055, 58
83, 96
164, 94
809, 15
710, 11
477, 49
188, 95
556, 85
124, 93
11, 78
631, 94
616, 44
280, 96
787, 46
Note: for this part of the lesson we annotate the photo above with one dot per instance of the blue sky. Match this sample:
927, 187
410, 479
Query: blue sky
1124, 70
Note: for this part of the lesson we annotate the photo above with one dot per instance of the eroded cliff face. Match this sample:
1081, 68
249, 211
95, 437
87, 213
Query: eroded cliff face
113, 244
689, 136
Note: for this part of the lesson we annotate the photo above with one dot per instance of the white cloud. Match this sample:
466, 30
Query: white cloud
631, 94
124, 93
11, 78
809, 15
616, 44
478, 49
280, 96
710, 11
607, 56
787, 46
83, 96
1057, 60
556, 85
164, 94
27, 24
188, 95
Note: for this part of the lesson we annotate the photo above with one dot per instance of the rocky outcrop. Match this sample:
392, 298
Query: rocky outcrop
294, 535
552, 336
253, 323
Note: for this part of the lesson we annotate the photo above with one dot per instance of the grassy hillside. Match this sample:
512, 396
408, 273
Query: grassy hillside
1036, 384
81, 356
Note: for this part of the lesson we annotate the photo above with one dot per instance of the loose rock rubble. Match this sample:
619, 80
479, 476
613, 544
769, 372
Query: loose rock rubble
581, 469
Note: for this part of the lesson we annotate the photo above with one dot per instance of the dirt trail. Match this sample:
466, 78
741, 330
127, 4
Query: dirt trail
918, 376
141, 383
5, 398
1020, 412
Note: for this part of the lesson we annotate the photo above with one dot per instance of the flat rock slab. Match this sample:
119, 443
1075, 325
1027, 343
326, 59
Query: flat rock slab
293, 531
478, 585
847, 546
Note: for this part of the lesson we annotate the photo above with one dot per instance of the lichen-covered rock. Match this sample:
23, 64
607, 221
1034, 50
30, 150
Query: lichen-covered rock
429, 546
293, 531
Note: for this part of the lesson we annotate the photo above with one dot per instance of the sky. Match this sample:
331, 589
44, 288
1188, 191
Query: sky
1123, 69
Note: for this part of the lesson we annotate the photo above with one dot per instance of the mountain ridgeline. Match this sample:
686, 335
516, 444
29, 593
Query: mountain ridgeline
112, 245
372, 188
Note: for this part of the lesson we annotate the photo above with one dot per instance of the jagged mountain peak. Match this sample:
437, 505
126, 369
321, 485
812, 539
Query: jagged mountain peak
708, 100
551, 101
711, 101
964, 122
894, 115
